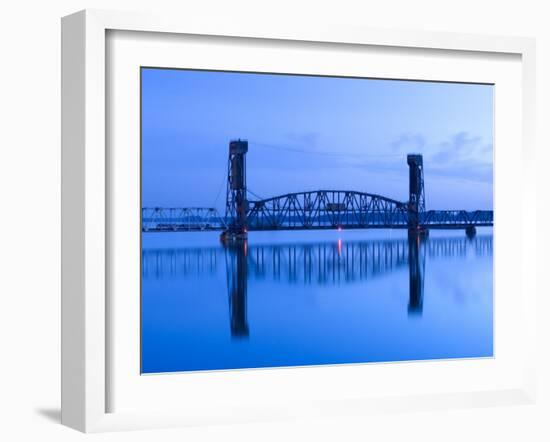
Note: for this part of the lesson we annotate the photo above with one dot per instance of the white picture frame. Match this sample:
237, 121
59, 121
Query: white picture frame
86, 205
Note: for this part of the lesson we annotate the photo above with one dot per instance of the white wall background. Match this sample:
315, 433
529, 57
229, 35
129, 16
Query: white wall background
30, 217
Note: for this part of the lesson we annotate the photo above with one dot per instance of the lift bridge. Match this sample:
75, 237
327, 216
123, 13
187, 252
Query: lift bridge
312, 210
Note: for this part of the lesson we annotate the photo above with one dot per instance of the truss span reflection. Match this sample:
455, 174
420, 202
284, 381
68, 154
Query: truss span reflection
324, 263
309, 263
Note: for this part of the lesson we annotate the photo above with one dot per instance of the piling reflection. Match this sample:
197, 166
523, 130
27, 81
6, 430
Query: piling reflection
323, 263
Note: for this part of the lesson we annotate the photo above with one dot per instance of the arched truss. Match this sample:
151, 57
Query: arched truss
326, 209
181, 219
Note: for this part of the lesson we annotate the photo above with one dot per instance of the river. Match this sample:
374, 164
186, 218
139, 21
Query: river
314, 297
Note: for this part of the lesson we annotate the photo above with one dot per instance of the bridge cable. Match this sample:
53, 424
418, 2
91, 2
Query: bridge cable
324, 153
220, 190
256, 195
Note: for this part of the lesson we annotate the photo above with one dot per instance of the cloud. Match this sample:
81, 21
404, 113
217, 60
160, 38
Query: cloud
460, 146
408, 142
463, 156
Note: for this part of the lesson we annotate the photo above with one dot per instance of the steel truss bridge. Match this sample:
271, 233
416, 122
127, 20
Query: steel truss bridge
312, 210
322, 209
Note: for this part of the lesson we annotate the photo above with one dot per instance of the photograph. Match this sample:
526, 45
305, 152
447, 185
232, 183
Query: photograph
294, 220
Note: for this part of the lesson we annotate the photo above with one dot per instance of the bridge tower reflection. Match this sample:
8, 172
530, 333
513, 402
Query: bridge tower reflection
237, 282
417, 264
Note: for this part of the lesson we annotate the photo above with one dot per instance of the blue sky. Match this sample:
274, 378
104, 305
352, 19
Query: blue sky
308, 133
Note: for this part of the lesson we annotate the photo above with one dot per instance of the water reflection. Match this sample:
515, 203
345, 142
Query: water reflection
417, 265
237, 282
310, 263
322, 263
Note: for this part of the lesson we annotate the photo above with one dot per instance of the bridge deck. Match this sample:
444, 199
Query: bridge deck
183, 228
184, 225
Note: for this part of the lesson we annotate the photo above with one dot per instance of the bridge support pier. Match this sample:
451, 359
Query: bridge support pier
233, 237
471, 231
418, 231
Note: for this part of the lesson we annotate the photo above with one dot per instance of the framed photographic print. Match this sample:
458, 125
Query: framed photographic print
264, 222
277, 251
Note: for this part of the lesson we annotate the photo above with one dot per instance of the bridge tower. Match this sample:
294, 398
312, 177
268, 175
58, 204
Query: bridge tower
417, 204
236, 204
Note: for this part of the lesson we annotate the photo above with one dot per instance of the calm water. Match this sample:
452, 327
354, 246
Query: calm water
309, 298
